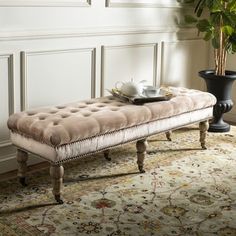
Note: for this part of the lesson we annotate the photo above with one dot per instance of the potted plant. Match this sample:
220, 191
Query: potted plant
216, 19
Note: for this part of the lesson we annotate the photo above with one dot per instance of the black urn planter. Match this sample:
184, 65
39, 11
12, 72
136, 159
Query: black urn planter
221, 88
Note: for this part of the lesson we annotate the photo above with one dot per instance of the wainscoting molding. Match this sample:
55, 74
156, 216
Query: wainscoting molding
45, 3
105, 49
24, 69
147, 4
91, 32
11, 91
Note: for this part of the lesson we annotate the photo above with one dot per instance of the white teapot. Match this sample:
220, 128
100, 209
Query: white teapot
131, 88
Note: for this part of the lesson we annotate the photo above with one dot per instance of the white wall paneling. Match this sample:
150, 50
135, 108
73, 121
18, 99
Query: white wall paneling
121, 63
146, 3
7, 106
37, 3
181, 62
57, 76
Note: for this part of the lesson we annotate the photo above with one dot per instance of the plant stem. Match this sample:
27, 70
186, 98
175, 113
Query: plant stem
219, 53
216, 60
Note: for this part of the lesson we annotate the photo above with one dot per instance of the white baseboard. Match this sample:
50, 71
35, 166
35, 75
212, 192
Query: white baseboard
9, 163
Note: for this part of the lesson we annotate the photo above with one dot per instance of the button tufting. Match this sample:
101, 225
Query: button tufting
74, 110
55, 123
82, 106
114, 109
53, 112
60, 107
86, 114
89, 102
65, 116
120, 105
30, 113
101, 105
42, 118
94, 110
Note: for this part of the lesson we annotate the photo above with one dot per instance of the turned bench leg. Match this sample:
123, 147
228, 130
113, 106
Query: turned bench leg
141, 146
168, 135
22, 158
56, 173
203, 126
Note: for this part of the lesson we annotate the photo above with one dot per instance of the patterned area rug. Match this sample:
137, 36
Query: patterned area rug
185, 191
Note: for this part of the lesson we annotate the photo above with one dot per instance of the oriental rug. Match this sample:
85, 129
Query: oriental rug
185, 191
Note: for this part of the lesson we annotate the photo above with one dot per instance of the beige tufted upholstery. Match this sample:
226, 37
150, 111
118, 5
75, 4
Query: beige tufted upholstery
65, 124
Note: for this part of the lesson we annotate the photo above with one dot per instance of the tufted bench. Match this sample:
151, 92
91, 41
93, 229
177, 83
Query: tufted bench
62, 133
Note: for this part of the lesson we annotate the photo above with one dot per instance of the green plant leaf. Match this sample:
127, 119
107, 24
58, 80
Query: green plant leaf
190, 19
228, 30
229, 48
209, 3
232, 42
233, 19
232, 6
199, 7
228, 18
208, 36
203, 25
215, 18
215, 42
233, 49
216, 6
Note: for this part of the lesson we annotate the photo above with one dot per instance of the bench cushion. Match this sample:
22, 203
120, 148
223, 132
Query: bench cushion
65, 124
109, 140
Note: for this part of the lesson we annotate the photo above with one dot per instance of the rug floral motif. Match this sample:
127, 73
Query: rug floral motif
185, 191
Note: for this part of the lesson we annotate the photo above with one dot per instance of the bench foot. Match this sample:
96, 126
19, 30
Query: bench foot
22, 158
203, 126
106, 155
58, 199
141, 146
56, 173
22, 181
168, 135
141, 170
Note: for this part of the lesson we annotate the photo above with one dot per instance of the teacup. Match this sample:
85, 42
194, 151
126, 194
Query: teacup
150, 91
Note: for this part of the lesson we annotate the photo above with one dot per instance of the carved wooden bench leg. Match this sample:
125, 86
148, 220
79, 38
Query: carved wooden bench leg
22, 158
106, 155
56, 173
203, 126
141, 146
168, 135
